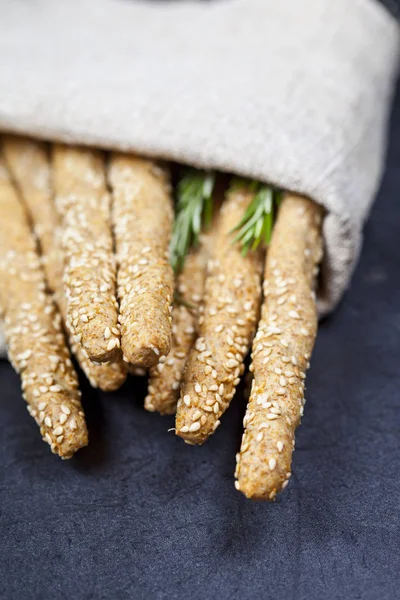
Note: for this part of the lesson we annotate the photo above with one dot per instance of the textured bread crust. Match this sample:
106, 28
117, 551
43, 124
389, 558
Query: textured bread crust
231, 307
142, 221
165, 377
28, 162
281, 350
33, 331
84, 205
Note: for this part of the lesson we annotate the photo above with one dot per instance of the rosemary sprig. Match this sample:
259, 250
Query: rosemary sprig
193, 211
256, 225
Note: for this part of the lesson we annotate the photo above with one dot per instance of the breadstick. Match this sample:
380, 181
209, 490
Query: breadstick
165, 377
29, 164
231, 307
281, 350
142, 219
90, 271
32, 325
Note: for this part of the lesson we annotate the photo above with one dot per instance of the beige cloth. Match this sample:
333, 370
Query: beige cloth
296, 93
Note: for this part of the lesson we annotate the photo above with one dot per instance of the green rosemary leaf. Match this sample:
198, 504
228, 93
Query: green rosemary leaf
193, 212
256, 225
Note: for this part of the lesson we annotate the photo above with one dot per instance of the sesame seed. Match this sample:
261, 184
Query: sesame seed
282, 381
214, 374
216, 424
231, 363
219, 328
259, 436
186, 400
111, 345
272, 464
107, 333
63, 418
284, 484
48, 422
184, 429
294, 360
42, 405
279, 445
216, 408
271, 416
194, 427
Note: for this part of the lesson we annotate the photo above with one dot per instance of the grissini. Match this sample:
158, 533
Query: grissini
281, 350
33, 331
165, 377
84, 204
142, 221
232, 300
28, 162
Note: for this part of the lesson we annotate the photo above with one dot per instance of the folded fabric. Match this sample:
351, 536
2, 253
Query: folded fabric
292, 93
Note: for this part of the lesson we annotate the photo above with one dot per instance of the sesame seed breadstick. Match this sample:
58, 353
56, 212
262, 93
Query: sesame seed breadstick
32, 326
142, 218
29, 164
231, 307
84, 204
165, 377
281, 350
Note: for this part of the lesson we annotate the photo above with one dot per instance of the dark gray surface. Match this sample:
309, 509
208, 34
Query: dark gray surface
140, 515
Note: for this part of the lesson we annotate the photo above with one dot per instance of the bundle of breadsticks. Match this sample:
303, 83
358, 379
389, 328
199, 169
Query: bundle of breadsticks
97, 260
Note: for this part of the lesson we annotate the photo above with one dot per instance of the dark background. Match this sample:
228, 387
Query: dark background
138, 514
